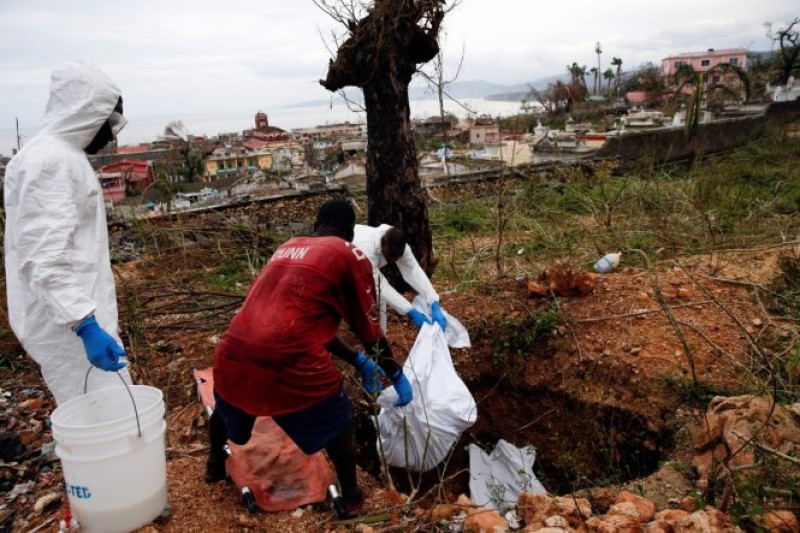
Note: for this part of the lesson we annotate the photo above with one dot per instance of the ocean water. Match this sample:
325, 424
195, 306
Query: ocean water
145, 129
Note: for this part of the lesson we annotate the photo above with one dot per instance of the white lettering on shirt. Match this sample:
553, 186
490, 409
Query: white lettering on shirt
358, 252
291, 252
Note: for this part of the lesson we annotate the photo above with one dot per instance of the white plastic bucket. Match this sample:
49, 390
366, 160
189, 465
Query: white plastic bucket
116, 477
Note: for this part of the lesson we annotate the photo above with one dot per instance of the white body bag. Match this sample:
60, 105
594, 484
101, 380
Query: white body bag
419, 435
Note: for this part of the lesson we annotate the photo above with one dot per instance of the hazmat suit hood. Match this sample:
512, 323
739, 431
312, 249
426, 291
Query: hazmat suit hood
82, 97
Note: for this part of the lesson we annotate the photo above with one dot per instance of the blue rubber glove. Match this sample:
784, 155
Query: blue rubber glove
101, 348
418, 318
370, 373
403, 387
438, 315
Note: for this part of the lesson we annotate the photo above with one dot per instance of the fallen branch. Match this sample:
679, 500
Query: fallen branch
747, 284
769, 247
642, 312
43, 525
733, 317
776, 453
662, 301
196, 310
711, 343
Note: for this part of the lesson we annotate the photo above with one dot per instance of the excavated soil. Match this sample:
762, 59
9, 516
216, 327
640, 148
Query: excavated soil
604, 400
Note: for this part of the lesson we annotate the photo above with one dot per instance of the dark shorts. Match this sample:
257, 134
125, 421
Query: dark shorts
238, 424
312, 429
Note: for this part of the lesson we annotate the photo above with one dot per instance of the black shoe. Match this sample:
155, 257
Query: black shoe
353, 504
215, 471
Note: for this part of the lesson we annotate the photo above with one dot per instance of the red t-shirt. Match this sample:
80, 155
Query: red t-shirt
273, 360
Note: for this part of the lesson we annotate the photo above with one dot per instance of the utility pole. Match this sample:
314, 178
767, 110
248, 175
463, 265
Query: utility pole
599, 50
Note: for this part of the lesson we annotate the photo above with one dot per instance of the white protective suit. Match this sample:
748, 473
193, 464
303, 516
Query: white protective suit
368, 238
58, 269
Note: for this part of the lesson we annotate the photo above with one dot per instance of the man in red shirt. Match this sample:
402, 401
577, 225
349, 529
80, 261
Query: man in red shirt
275, 359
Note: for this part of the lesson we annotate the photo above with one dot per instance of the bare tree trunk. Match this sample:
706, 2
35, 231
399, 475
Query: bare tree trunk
380, 56
393, 186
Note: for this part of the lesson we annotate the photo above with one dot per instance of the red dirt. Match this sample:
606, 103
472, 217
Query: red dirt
614, 349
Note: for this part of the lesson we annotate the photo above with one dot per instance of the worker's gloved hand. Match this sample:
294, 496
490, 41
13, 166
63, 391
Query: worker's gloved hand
370, 373
438, 315
418, 318
101, 348
403, 388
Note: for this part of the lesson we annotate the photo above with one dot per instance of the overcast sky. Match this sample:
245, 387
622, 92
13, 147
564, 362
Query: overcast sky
174, 57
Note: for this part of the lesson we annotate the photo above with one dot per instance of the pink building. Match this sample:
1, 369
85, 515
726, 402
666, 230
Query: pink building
124, 175
113, 184
703, 61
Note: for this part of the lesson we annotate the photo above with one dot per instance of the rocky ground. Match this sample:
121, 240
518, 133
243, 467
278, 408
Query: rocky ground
625, 438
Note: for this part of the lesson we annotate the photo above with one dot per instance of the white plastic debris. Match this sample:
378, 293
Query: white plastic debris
497, 479
18, 490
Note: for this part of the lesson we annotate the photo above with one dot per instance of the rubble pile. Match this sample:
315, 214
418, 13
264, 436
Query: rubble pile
31, 486
562, 279
738, 430
629, 512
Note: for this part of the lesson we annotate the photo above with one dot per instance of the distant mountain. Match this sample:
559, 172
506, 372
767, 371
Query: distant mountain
486, 90
458, 89
517, 93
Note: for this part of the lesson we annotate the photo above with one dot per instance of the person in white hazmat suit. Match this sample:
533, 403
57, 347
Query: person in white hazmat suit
61, 296
384, 245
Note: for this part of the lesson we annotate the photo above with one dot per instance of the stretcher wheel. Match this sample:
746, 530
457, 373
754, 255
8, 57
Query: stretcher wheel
249, 500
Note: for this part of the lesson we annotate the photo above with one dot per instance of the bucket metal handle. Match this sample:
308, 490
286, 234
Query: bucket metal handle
135, 410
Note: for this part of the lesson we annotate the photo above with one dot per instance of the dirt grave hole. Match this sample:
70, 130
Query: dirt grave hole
578, 445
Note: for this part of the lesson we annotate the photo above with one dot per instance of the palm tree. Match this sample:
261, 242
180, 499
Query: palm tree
608, 75
695, 84
582, 74
617, 62
595, 79
574, 72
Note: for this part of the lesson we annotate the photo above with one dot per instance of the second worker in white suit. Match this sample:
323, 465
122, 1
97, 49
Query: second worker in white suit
385, 245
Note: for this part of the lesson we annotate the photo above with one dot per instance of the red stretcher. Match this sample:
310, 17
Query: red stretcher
270, 471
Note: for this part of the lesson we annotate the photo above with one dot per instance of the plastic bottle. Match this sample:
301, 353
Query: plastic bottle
607, 263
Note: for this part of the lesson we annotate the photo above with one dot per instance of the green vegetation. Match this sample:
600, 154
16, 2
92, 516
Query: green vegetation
747, 198
523, 335
232, 276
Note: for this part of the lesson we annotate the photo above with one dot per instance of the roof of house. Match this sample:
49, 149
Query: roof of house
133, 170
138, 149
129, 165
709, 52
254, 144
636, 97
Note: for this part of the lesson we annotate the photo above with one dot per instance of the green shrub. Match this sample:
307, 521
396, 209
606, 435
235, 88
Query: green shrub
458, 219
519, 336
